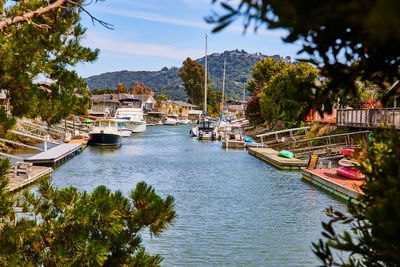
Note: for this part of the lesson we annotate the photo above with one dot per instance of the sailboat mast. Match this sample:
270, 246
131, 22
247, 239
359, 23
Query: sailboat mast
223, 87
205, 82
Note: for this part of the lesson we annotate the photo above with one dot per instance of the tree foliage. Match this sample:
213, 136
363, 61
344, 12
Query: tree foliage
348, 40
280, 91
192, 76
6, 123
288, 93
161, 98
375, 221
71, 228
261, 75
263, 72
140, 89
43, 46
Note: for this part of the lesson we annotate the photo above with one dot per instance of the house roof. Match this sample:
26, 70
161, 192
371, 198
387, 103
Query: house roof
394, 89
110, 97
145, 98
185, 104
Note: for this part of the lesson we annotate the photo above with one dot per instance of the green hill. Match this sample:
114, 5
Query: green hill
166, 81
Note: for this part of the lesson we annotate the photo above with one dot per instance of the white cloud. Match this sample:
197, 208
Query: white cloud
155, 18
142, 49
236, 28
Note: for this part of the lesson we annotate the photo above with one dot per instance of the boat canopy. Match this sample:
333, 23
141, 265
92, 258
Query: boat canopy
206, 125
105, 123
130, 100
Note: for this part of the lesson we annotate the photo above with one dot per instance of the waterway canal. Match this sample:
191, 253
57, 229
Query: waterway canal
233, 209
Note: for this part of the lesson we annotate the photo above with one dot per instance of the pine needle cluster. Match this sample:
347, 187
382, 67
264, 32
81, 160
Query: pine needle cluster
65, 227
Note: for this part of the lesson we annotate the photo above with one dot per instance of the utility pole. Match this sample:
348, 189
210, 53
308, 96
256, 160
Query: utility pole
205, 82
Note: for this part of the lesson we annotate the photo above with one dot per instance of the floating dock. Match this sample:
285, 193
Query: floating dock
328, 180
37, 172
57, 155
271, 156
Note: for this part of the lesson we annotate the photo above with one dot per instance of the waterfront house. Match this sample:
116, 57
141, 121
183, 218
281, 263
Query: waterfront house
165, 107
105, 104
185, 109
148, 101
235, 108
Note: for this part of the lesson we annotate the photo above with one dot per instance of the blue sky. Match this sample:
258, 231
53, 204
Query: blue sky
151, 34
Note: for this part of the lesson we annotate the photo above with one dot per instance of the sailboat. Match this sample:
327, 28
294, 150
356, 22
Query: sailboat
205, 129
223, 123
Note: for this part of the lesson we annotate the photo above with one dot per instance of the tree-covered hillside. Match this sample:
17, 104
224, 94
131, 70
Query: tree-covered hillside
167, 81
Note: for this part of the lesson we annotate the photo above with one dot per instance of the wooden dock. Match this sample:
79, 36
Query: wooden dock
271, 156
37, 172
328, 180
57, 155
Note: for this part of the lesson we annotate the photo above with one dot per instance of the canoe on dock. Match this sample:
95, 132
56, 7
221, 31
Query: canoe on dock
270, 156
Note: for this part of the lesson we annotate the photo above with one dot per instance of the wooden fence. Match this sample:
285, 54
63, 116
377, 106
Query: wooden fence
369, 118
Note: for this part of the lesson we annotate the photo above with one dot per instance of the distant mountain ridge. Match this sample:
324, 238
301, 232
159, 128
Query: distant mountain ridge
166, 81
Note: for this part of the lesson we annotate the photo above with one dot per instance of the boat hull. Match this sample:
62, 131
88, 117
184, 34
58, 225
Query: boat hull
104, 139
136, 126
125, 132
233, 144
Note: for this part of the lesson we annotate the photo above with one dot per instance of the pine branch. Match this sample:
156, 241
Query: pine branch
30, 15
41, 11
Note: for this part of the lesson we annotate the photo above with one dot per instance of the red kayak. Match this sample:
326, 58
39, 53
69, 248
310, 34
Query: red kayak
350, 173
349, 152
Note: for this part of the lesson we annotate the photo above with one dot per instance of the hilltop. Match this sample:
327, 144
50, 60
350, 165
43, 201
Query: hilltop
166, 81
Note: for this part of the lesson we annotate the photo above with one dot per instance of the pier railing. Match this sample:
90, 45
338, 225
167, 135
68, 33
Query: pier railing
324, 145
369, 118
283, 135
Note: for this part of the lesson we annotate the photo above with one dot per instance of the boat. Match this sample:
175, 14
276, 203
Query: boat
349, 152
206, 130
346, 163
184, 121
105, 132
350, 173
233, 138
171, 120
131, 110
286, 154
124, 131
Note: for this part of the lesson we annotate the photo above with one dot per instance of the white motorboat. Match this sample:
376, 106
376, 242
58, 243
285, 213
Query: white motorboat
233, 138
171, 120
205, 130
104, 133
131, 110
124, 131
184, 121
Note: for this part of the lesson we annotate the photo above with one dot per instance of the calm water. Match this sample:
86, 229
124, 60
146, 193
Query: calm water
233, 209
